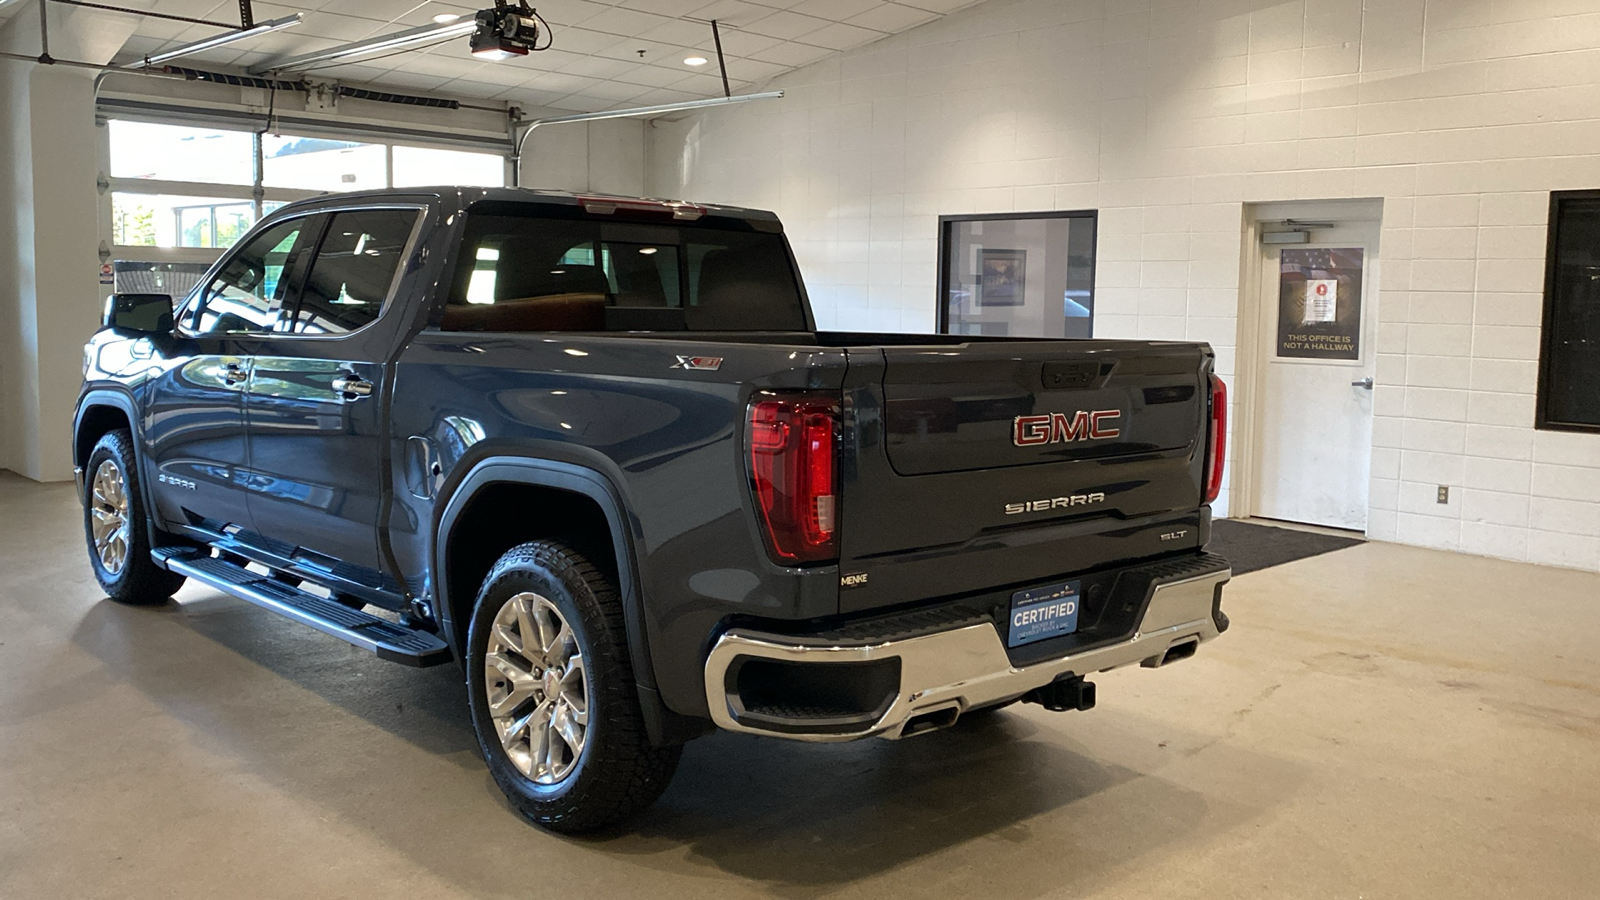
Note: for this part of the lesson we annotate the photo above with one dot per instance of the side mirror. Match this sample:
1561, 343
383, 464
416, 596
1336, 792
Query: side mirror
144, 313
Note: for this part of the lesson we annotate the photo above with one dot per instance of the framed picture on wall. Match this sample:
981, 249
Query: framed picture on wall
1002, 277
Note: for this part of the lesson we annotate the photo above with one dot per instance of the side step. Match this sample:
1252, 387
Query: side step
390, 641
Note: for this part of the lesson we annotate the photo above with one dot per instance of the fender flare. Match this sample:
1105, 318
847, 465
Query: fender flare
574, 479
104, 396
121, 399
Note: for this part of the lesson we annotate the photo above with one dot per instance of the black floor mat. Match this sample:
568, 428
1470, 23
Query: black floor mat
1250, 547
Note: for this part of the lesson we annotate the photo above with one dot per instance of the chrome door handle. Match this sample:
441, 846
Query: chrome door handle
1363, 383
232, 374
352, 384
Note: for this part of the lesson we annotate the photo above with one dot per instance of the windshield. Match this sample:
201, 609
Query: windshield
535, 273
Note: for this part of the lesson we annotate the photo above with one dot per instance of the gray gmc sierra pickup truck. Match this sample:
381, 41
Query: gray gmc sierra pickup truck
594, 450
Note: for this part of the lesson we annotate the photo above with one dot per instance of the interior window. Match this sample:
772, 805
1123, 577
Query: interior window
526, 273
247, 293
1569, 370
354, 270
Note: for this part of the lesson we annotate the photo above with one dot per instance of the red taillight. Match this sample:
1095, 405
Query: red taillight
792, 475
1217, 444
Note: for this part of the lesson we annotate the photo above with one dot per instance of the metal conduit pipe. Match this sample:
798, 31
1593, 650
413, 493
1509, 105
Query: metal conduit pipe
516, 153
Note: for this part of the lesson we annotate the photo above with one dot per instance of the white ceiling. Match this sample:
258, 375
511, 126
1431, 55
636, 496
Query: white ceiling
594, 63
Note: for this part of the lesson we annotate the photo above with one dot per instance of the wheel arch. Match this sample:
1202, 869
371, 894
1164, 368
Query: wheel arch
98, 412
584, 507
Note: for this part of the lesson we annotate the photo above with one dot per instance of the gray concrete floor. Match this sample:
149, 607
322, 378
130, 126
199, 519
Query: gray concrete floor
1381, 722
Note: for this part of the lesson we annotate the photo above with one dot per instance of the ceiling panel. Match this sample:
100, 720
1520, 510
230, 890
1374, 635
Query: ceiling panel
663, 96
625, 22
673, 8
735, 13
747, 44
840, 36
600, 67
571, 12
613, 91
786, 25
833, 10
892, 18
650, 76
679, 33
793, 55
943, 7
595, 58
582, 40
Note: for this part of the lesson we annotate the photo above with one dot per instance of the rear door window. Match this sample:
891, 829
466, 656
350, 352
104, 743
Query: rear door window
355, 270
536, 274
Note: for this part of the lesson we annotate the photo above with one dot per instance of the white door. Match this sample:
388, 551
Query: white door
1318, 333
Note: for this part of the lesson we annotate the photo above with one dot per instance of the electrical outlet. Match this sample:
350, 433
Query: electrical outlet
1444, 493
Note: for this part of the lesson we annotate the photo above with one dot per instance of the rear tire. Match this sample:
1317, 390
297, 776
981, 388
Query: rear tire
552, 692
116, 526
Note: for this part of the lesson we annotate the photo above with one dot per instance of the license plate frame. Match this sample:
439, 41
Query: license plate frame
1041, 613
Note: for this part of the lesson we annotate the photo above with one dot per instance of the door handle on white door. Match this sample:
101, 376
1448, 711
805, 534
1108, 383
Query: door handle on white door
1363, 383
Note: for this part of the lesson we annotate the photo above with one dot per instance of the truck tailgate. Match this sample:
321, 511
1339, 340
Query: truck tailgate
985, 465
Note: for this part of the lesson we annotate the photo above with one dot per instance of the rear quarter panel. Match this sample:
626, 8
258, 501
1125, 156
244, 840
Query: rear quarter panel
669, 440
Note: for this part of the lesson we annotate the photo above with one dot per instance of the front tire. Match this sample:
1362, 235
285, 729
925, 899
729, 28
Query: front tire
116, 526
552, 693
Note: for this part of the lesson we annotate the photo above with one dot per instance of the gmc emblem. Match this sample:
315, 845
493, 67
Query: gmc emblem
1056, 428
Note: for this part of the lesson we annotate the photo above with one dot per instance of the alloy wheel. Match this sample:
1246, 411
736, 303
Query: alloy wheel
108, 512
538, 688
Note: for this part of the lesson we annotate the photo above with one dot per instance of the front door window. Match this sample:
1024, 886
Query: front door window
247, 294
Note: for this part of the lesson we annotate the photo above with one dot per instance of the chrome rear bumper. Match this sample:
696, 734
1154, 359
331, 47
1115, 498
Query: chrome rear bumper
962, 668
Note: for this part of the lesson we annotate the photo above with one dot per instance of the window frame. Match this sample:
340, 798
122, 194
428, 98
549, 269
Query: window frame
947, 222
1547, 336
297, 287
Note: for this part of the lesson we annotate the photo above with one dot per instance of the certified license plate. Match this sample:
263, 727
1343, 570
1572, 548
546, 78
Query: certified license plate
1043, 612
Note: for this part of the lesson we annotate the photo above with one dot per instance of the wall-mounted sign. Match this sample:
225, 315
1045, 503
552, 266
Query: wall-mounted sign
1319, 303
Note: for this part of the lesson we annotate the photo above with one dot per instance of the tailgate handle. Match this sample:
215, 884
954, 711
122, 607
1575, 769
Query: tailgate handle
1070, 376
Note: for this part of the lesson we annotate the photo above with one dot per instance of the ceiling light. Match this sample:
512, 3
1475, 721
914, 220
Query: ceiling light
695, 61
215, 41
647, 250
446, 18
383, 42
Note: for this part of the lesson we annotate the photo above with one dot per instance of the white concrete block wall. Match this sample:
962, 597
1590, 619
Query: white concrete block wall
605, 157
1170, 116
